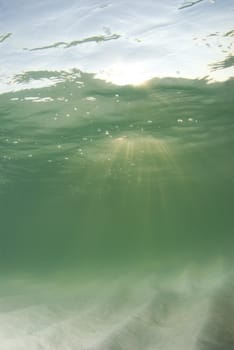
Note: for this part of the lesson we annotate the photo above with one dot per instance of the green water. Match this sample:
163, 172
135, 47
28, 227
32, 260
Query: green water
117, 215
117, 172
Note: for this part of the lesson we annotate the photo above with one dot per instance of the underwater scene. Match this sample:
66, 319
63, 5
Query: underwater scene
116, 175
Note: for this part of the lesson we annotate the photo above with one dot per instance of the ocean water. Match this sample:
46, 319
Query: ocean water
116, 175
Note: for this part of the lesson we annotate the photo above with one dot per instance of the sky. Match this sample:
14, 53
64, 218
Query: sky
124, 42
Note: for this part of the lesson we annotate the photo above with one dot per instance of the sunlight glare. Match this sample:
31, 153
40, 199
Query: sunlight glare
125, 74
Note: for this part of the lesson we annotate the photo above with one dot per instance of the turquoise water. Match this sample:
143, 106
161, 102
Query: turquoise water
116, 175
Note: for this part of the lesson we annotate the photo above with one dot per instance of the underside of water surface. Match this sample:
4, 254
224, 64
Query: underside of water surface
116, 175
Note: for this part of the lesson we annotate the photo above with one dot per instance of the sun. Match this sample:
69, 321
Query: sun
125, 74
